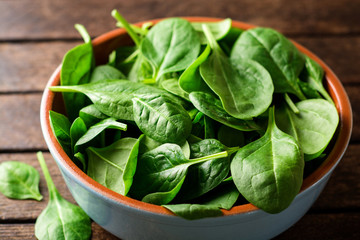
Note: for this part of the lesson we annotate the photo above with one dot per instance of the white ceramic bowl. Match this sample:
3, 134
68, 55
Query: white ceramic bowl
131, 219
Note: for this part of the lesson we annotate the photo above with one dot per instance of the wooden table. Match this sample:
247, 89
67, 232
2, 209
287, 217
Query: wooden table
35, 34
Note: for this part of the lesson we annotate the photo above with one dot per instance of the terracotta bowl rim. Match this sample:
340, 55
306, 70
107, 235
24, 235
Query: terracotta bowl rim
334, 85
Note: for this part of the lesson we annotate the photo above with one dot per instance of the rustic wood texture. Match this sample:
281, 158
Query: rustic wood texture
35, 34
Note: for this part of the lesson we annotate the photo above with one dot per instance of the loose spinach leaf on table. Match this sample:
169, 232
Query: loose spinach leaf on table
276, 53
76, 69
170, 46
313, 127
19, 181
60, 219
161, 119
269, 171
60, 125
114, 166
245, 87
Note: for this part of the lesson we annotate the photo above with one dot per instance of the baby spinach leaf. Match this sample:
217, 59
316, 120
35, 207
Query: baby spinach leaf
224, 197
190, 80
96, 129
245, 87
60, 219
213, 108
315, 77
164, 167
218, 29
77, 130
172, 86
91, 115
313, 127
104, 72
114, 166
171, 45
141, 70
60, 126
269, 171
165, 121
203, 177
19, 181
194, 211
114, 97
308, 90
276, 53
76, 68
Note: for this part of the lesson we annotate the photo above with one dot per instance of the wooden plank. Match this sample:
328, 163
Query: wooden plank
341, 226
36, 19
338, 226
26, 231
20, 123
28, 66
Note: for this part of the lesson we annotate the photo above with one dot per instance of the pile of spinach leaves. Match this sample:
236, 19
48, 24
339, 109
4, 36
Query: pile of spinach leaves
196, 117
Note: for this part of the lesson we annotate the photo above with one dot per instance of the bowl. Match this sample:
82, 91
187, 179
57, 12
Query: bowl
132, 219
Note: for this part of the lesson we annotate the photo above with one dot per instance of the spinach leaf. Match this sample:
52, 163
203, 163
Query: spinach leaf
269, 171
141, 70
165, 121
60, 126
276, 53
60, 219
172, 86
313, 127
123, 58
165, 167
114, 97
77, 130
104, 72
171, 45
245, 87
315, 77
213, 108
224, 197
114, 166
190, 80
194, 211
19, 181
218, 29
96, 129
203, 177
91, 115
76, 68
308, 90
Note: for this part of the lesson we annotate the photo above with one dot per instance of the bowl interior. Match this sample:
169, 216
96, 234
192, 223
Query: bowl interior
106, 43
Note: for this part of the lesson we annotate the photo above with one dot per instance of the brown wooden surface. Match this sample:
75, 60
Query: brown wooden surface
35, 34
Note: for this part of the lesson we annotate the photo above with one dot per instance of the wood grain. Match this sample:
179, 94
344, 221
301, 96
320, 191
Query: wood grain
28, 66
45, 19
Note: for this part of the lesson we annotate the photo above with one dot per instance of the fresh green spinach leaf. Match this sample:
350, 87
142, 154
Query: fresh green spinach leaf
60, 126
19, 181
104, 72
194, 211
91, 115
114, 166
269, 171
218, 29
60, 219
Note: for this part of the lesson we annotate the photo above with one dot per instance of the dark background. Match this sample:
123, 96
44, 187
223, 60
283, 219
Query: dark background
35, 34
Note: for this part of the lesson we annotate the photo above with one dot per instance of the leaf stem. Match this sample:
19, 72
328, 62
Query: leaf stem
210, 157
291, 104
84, 34
49, 181
127, 26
